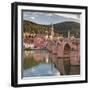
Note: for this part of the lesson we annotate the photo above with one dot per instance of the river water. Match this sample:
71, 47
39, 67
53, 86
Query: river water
43, 63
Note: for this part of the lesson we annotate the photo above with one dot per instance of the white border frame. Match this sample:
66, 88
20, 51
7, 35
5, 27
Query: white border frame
80, 77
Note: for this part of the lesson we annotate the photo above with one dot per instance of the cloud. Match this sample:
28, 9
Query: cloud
50, 14
32, 17
74, 16
47, 18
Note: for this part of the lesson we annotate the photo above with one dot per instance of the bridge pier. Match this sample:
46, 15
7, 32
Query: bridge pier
59, 51
74, 58
54, 49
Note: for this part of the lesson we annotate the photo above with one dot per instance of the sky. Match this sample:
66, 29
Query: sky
47, 18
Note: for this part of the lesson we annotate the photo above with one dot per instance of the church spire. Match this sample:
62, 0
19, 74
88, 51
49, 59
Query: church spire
52, 26
68, 33
52, 29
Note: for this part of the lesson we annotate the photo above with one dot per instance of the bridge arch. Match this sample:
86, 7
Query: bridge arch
67, 48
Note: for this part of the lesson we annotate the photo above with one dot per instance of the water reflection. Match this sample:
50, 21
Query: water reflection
43, 63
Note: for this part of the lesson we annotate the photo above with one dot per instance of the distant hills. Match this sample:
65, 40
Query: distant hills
34, 27
61, 28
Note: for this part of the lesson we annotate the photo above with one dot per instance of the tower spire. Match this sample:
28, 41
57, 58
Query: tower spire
52, 29
68, 33
52, 26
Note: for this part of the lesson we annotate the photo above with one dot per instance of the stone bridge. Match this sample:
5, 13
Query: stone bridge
66, 48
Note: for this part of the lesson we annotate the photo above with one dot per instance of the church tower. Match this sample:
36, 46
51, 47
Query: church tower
52, 30
68, 33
